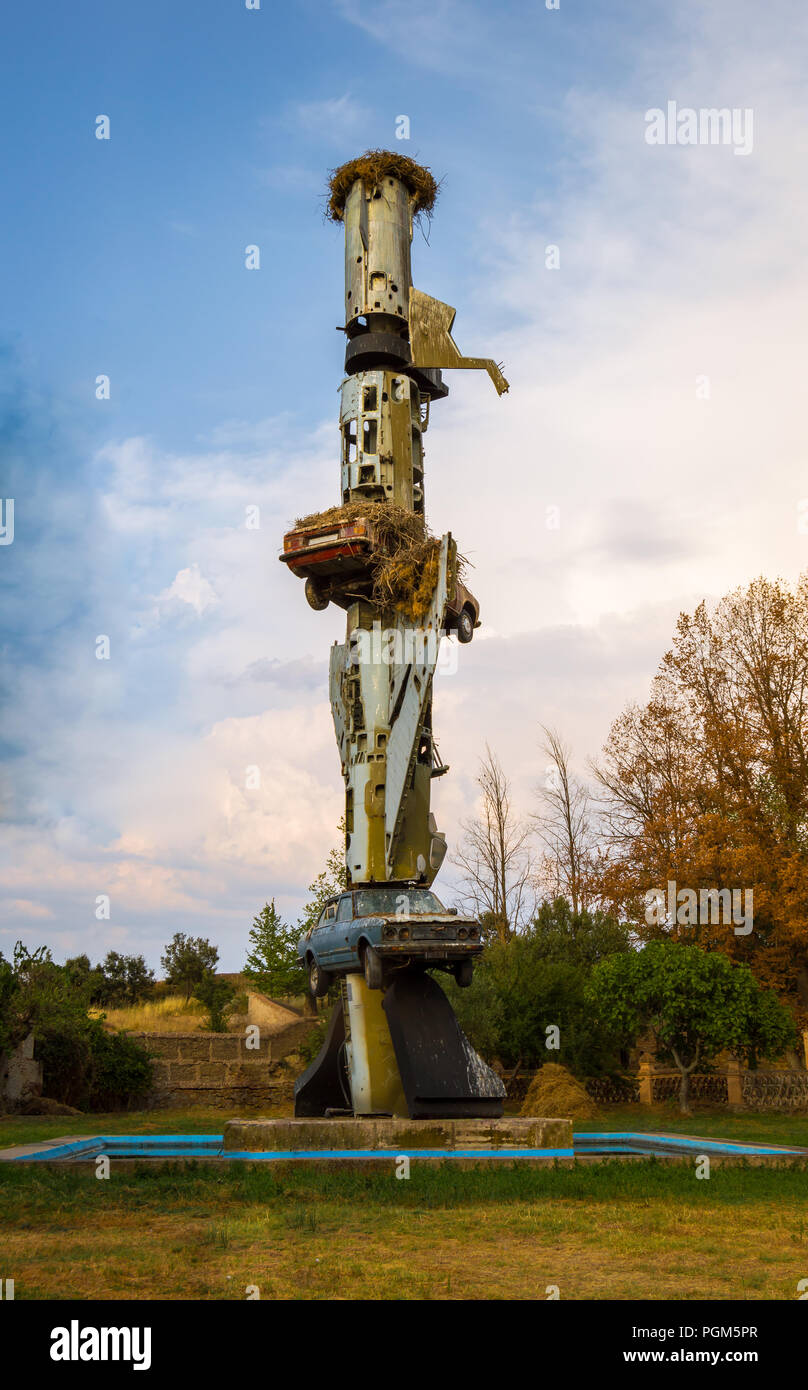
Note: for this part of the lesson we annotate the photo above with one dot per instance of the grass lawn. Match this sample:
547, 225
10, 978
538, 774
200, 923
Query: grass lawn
22, 1129
612, 1230
708, 1124
764, 1126
645, 1230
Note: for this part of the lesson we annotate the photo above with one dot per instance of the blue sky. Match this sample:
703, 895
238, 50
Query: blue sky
128, 254
126, 257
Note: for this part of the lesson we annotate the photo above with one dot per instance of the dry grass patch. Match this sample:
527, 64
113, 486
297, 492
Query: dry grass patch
644, 1231
474, 1254
169, 1015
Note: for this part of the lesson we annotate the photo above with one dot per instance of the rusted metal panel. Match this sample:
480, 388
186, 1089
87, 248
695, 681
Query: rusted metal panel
432, 344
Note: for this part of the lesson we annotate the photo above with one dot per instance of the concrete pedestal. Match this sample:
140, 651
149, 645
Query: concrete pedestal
397, 1135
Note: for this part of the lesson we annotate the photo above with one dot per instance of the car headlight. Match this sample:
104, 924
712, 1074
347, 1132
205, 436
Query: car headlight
403, 933
388, 932
462, 933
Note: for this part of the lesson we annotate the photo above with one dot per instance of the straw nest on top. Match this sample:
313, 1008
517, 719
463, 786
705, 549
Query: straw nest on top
404, 569
555, 1093
373, 166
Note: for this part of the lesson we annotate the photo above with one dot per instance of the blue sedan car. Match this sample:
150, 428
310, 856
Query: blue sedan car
376, 930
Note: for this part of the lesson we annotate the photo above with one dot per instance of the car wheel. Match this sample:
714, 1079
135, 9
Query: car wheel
465, 625
316, 596
318, 980
465, 973
373, 968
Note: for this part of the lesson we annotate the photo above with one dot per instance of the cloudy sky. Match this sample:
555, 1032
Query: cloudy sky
656, 411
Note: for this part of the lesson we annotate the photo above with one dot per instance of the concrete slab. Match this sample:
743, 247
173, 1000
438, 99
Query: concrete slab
28, 1150
402, 1136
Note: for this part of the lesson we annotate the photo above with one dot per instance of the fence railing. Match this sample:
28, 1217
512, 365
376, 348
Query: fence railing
785, 1090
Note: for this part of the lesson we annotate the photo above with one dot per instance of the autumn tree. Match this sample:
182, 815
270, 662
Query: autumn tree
497, 870
707, 784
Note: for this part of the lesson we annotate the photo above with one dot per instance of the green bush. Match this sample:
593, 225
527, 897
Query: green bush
314, 1039
66, 1057
219, 998
121, 1072
538, 980
272, 958
91, 1068
82, 1063
695, 1003
187, 962
9, 1024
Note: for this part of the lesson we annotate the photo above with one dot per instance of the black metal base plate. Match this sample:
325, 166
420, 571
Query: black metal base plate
442, 1075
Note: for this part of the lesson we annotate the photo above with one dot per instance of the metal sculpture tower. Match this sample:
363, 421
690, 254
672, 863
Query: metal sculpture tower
381, 676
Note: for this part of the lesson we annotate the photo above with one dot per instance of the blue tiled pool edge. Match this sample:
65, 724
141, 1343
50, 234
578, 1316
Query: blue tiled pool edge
206, 1147
659, 1145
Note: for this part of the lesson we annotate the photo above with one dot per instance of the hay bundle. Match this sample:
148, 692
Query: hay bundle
554, 1093
406, 579
393, 524
372, 166
404, 569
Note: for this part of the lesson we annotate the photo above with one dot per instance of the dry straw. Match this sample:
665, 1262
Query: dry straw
554, 1093
405, 566
373, 166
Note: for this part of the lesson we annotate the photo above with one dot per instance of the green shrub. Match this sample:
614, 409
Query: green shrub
314, 1040
187, 962
219, 998
66, 1057
9, 1025
272, 958
83, 1064
91, 1068
537, 981
121, 1071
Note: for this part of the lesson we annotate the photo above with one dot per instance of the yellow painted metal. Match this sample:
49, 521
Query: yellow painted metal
413, 857
376, 1087
432, 342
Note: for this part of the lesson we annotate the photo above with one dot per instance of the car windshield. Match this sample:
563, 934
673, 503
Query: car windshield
402, 901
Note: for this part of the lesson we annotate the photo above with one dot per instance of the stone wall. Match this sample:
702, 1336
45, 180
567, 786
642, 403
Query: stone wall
219, 1069
20, 1075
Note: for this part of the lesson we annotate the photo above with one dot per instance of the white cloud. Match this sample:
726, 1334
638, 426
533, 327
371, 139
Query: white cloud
334, 120
25, 909
189, 586
677, 264
453, 35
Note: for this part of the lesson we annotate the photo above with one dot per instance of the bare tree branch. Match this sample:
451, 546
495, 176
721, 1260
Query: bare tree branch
494, 856
564, 826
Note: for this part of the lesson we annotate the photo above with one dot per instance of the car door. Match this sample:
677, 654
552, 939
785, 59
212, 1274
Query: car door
325, 941
345, 954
